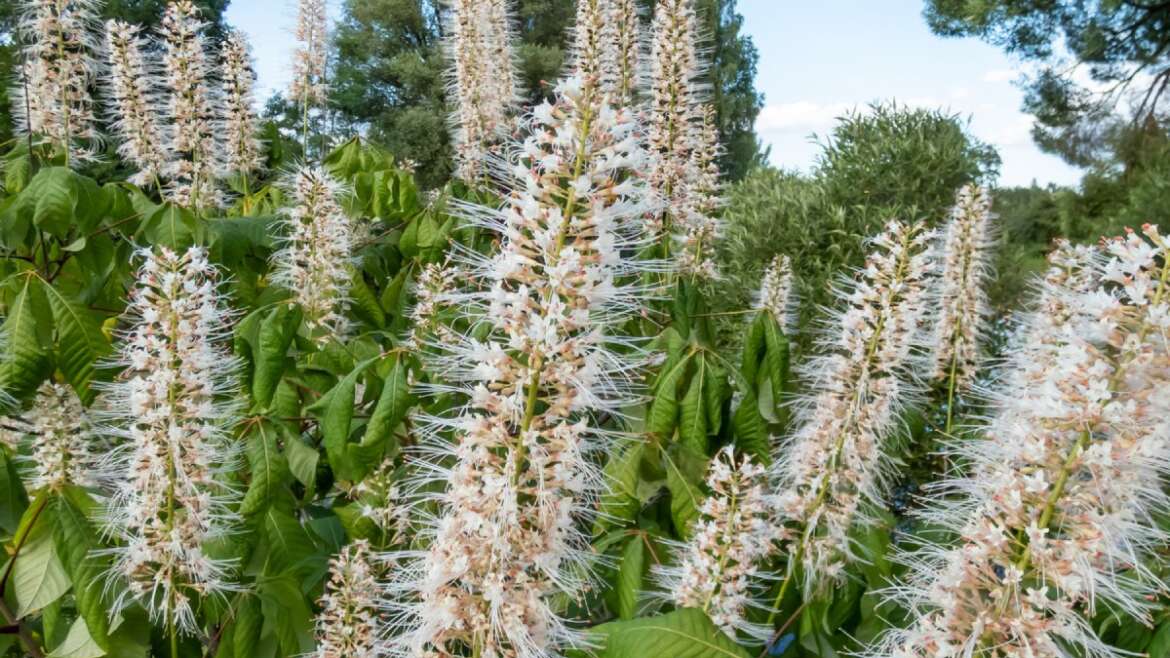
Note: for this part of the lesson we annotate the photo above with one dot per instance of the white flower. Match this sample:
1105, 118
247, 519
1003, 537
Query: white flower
626, 58
1065, 488
242, 153
314, 261
698, 199
775, 295
838, 458
60, 439
520, 482
961, 298
173, 409
135, 102
51, 98
720, 569
482, 80
347, 626
675, 102
192, 109
309, 85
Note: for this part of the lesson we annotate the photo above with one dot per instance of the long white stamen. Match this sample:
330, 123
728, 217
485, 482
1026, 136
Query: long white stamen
1059, 512
521, 481
135, 104
839, 459
173, 408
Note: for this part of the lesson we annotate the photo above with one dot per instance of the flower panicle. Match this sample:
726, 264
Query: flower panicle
172, 409
676, 98
315, 258
720, 569
57, 69
192, 109
482, 82
435, 282
1056, 516
627, 58
522, 476
966, 252
136, 104
242, 151
60, 438
309, 86
593, 48
838, 460
700, 199
776, 297
379, 499
348, 624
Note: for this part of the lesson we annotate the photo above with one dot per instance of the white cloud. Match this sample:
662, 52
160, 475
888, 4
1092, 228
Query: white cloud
1000, 75
800, 116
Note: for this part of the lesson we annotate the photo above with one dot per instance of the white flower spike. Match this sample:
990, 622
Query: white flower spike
172, 408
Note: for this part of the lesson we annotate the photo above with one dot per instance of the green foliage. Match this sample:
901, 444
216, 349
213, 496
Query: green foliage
876, 165
1125, 43
390, 76
892, 161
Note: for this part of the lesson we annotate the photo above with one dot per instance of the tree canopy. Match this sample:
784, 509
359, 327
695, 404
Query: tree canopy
1122, 46
390, 69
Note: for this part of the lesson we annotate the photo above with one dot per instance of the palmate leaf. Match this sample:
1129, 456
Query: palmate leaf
620, 501
268, 467
25, 335
685, 633
693, 426
631, 573
38, 577
75, 540
78, 643
80, 342
685, 472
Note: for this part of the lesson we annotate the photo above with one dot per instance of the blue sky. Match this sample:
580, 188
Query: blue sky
818, 58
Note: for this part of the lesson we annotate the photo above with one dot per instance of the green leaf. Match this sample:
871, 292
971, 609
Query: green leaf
289, 547
268, 466
663, 415
78, 643
38, 577
249, 621
620, 500
13, 499
274, 337
776, 358
172, 226
365, 303
685, 472
393, 404
631, 571
80, 342
25, 360
693, 426
51, 198
686, 633
338, 405
1160, 643
302, 461
286, 614
75, 540
751, 434
753, 347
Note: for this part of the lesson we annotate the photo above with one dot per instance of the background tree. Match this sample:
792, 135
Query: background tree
389, 77
734, 59
1123, 46
888, 162
142, 12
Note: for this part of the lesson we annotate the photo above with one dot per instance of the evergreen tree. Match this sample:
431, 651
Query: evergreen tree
390, 75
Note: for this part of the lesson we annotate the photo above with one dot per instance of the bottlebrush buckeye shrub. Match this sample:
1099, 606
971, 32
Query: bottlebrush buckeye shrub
314, 410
